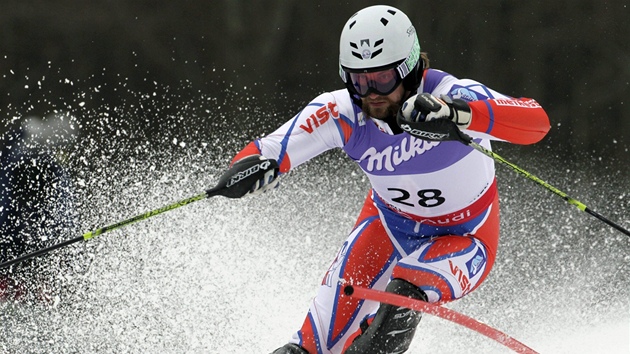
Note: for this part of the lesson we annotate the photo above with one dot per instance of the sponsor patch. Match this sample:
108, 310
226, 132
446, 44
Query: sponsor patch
516, 103
464, 94
321, 116
476, 263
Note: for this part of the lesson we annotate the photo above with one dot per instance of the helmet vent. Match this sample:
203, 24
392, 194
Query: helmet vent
384, 21
352, 24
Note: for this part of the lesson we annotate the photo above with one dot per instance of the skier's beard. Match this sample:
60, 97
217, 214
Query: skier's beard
386, 113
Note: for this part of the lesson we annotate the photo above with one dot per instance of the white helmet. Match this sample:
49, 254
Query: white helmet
378, 38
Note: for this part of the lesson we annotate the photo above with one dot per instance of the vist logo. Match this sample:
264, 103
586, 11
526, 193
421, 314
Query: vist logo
462, 278
320, 117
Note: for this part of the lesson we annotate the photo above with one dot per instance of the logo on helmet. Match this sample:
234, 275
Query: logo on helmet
367, 53
411, 31
412, 59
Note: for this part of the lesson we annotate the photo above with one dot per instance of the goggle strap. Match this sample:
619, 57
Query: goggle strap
403, 70
343, 74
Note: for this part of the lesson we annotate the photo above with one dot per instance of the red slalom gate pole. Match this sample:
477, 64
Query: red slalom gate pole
443, 312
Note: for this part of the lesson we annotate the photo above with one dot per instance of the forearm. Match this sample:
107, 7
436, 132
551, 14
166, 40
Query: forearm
519, 121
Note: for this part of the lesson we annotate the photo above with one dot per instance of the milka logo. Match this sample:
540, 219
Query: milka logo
393, 156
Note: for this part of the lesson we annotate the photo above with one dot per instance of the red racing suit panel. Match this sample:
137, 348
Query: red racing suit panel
527, 124
494, 115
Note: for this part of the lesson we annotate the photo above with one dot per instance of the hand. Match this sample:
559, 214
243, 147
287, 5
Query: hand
268, 180
429, 118
424, 107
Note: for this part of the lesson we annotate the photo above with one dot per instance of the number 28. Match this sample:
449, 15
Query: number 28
428, 198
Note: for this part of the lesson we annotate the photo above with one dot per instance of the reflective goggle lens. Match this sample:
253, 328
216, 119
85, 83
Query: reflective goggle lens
380, 82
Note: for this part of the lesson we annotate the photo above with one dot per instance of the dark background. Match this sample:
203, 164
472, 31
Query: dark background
132, 78
274, 56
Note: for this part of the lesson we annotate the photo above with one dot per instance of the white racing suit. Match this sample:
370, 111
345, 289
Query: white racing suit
432, 216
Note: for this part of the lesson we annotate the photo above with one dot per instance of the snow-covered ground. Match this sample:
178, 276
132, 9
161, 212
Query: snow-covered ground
236, 276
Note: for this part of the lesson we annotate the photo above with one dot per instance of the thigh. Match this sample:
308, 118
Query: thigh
366, 259
451, 266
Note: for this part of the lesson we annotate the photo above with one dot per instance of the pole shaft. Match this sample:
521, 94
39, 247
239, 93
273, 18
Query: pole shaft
443, 312
104, 229
40, 252
549, 187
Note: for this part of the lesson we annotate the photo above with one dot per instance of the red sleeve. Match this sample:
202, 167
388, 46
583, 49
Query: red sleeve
253, 149
250, 149
516, 120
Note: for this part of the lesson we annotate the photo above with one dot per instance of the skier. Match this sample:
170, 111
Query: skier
429, 228
36, 203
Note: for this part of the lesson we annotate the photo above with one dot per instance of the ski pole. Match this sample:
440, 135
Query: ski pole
469, 141
444, 129
234, 183
436, 310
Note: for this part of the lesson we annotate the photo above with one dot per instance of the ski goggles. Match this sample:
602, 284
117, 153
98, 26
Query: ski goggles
381, 82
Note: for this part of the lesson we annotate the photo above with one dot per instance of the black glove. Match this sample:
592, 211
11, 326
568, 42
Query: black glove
430, 118
424, 107
253, 175
269, 179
